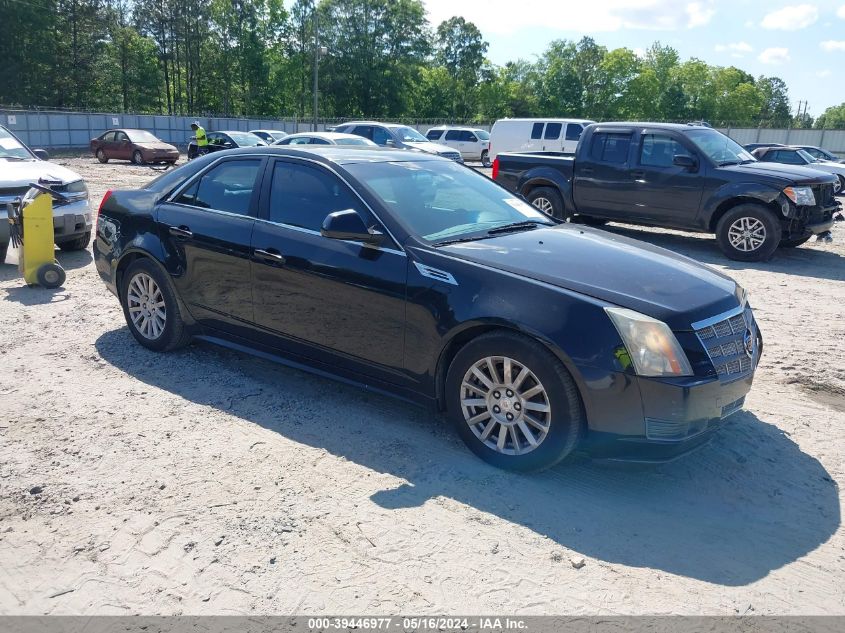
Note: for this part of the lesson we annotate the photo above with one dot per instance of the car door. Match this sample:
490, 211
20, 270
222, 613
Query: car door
107, 144
571, 137
471, 149
661, 191
122, 146
206, 228
326, 299
453, 139
551, 137
602, 182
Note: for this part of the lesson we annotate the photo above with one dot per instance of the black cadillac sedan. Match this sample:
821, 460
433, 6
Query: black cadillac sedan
413, 275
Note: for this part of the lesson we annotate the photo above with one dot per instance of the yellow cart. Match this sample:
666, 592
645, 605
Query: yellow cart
31, 230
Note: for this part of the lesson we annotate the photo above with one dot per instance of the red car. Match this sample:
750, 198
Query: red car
139, 146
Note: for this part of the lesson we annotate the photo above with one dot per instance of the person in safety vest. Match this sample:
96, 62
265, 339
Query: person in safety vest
200, 136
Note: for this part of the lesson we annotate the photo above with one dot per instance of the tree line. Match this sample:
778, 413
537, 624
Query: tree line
383, 60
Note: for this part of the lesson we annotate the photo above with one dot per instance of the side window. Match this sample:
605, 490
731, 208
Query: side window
552, 131
433, 135
364, 130
453, 135
120, 137
319, 141
108, 137
573, 131
226, 187
468, 136
610, 148
658, 150
788, 157
301, 195
537, 131
381, 136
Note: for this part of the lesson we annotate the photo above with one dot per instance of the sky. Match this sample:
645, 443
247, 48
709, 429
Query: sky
803, 43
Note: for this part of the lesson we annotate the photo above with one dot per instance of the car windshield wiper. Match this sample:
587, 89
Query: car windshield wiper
514, 226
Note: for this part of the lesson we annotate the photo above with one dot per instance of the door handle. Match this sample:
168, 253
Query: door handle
182, 232
271, 255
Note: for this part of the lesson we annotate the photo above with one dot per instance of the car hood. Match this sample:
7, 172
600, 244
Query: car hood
157, 146
20, 173
432, 148
609, 267
785, 174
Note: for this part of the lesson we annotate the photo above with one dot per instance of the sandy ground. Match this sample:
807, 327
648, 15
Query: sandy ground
211, 482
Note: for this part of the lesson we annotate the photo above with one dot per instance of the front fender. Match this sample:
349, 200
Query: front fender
746, 191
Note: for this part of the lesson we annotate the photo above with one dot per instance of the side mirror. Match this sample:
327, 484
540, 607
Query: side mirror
349, 226
41, 154
685, 161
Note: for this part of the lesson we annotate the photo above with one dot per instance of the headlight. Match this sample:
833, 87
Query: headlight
652, 346
802, 196
77, 186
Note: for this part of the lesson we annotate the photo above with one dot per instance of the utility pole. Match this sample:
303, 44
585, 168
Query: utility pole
316, 65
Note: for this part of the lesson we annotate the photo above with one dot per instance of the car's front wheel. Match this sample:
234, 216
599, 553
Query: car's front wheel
748, 233
513, 402
151, 309
839, 189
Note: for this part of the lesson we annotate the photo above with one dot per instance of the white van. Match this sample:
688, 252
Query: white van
536, 135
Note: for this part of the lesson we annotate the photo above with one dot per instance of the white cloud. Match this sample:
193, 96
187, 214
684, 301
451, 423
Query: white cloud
499, 16
736, 49
833, 45
821, 74
774, 56
791, 18
841, 12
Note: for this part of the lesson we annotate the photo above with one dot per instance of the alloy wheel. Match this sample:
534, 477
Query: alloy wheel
505, 405
544, 204
146, 306
747, 234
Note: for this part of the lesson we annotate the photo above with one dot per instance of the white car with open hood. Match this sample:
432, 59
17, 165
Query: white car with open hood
20, 166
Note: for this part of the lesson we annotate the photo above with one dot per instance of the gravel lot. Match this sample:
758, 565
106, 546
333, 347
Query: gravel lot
206, 481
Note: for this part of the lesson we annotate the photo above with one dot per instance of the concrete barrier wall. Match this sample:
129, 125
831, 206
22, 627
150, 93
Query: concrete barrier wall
73, 130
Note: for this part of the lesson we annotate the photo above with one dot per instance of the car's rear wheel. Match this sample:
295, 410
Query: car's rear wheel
137, 157
151, 309
101, 156
485, 158
513, 402
748, 233
80, 243
547, 200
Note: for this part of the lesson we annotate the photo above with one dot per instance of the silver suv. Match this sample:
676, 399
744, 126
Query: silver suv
398, 136
473, 143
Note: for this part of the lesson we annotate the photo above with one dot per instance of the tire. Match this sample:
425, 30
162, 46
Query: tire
548, 200
101, 156
3, 251
785, 243
485, 158
173, 334
841, 191
137, 157
755, 232
50, 275
563, 420
79, 244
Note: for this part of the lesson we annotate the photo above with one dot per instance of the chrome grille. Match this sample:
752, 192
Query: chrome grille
451, 155
724, 342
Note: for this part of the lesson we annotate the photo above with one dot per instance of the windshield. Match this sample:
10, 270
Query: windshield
484, 136
409, 135
11, 148
141, 136
440, 201
354, 141
246, 139
807, 156
721, 149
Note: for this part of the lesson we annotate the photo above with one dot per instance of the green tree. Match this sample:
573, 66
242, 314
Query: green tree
832, 119
460, 50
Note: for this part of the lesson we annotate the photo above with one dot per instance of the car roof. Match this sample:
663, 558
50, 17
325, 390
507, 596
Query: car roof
229, 132
337, 154
549, 118
329, 135
456, 127
382, 123
652, 124
265, 130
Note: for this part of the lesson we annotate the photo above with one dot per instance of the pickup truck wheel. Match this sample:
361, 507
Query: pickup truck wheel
101, 156
513, 402
151, 309
80, 243
548, 201
748, 233
785, 243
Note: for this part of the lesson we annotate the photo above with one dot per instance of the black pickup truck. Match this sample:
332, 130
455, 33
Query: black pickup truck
687, 177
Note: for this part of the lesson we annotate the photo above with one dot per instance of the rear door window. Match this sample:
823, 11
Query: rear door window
226, 187
552, 131
573, 131
537, 131
610, 147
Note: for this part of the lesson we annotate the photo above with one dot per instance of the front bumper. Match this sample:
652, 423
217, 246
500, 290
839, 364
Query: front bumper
71, 220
